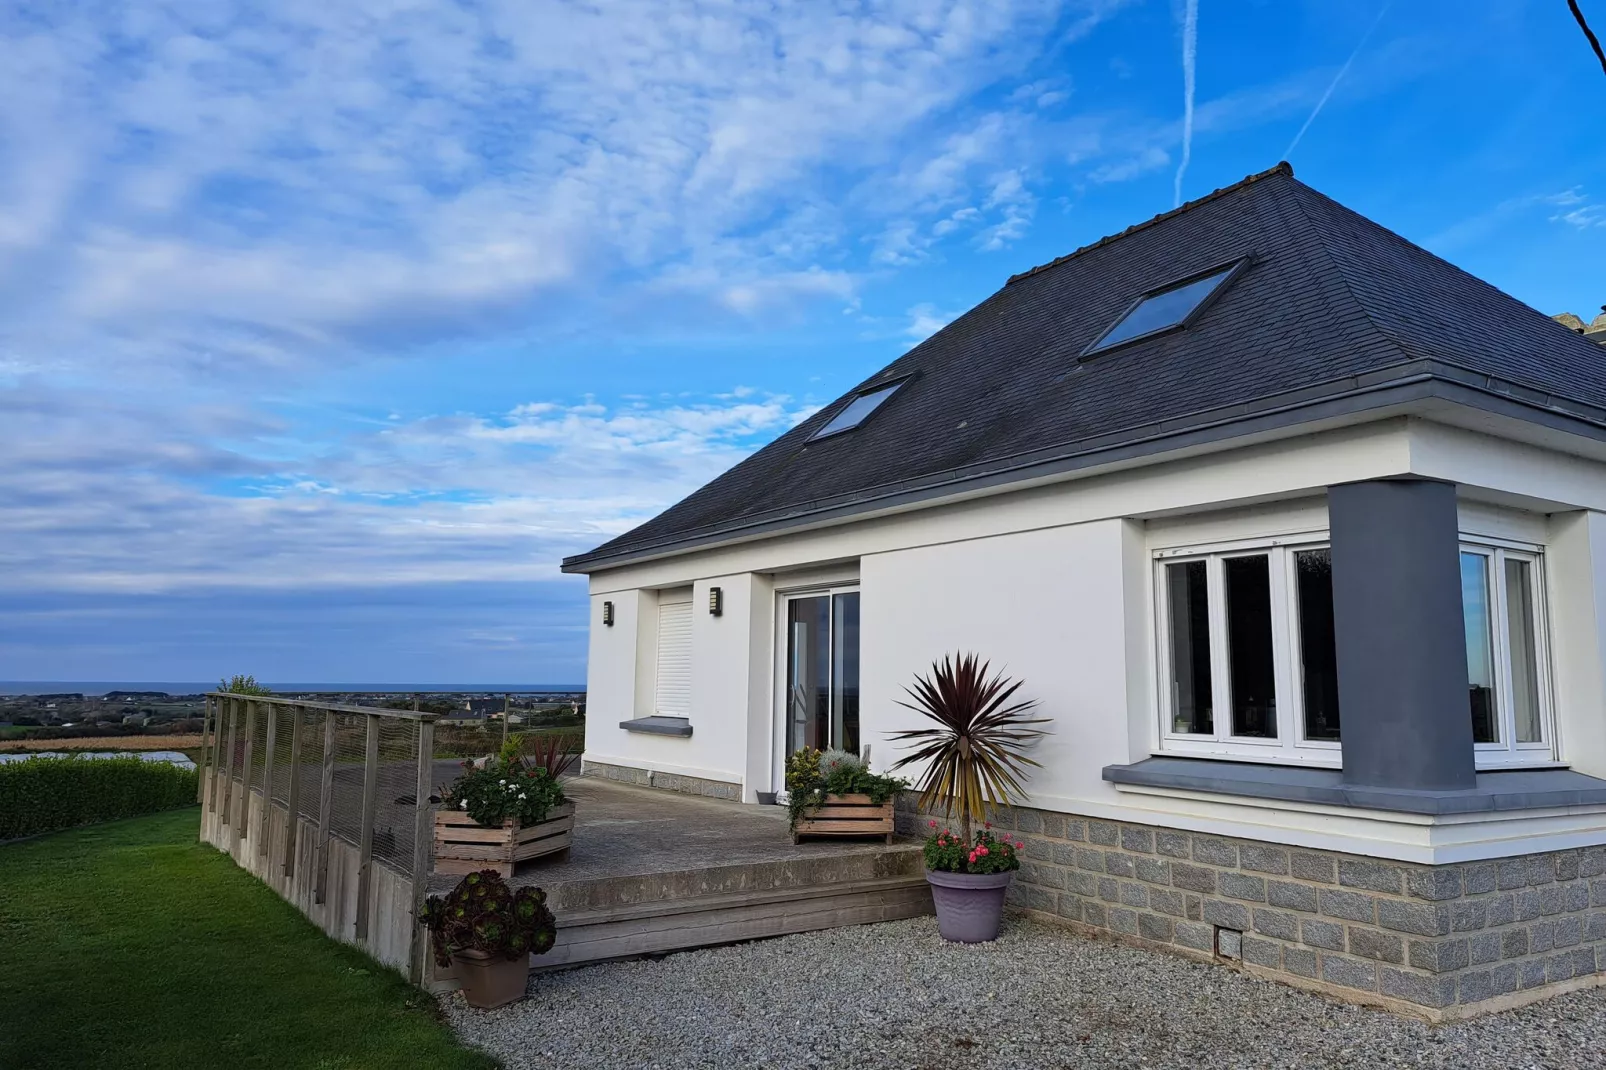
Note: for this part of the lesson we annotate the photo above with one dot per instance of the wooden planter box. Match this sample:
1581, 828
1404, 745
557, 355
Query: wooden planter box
847, 815
461, 846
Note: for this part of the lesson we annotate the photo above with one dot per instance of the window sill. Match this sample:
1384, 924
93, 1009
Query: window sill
658, 726
1311, 757
1529, 789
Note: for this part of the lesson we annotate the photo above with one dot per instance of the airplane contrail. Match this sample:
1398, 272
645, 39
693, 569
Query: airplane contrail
1190, 53
1336, 79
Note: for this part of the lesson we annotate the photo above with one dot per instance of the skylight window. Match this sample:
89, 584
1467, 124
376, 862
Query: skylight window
858, 410
1164, 309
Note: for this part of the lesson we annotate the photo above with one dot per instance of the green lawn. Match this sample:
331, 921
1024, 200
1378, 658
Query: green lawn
130, 944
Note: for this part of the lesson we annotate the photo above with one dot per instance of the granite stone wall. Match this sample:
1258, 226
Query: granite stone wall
1439, 941
647, 778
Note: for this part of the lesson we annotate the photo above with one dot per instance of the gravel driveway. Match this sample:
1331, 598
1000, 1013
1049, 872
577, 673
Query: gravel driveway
895, 997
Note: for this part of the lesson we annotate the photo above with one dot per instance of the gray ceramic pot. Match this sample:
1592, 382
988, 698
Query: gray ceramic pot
970, 906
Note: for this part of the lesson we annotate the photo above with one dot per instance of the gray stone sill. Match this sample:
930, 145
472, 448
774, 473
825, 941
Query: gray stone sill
1516, 789
658, 726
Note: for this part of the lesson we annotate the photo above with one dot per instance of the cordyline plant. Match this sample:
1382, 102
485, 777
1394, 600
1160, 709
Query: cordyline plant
553, 751
974, 754
483, 914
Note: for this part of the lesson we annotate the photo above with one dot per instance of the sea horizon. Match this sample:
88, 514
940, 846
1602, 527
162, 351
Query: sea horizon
193, 687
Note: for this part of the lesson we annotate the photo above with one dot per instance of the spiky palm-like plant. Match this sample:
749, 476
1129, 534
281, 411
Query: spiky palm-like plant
975, 752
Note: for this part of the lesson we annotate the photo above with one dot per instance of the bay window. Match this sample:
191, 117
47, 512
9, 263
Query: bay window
1247, 652
1508, 687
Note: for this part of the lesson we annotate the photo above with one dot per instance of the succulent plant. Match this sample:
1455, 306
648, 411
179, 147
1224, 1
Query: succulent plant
483, 914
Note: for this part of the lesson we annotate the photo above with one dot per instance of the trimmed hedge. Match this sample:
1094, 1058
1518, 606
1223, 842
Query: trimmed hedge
45, 794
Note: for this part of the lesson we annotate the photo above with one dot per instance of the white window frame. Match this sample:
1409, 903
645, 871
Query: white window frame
1507, 752
1290, 747
781, 711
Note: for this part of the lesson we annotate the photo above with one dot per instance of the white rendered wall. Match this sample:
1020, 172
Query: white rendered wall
1575, 581
729, 671
1045, 607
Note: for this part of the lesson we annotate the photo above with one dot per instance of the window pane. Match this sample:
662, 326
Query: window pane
845, 673
1313, 582
857, 411
1254, 682
1188, 601
1524, 656
1480, 649
1162, 310
808, 673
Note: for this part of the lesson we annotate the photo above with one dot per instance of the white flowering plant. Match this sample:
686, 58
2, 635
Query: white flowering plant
504, 788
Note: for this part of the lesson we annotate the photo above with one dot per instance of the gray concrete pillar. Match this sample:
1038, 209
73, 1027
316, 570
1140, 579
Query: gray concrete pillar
1401, 645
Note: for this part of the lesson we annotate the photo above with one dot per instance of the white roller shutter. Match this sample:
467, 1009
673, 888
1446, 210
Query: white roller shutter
673, 694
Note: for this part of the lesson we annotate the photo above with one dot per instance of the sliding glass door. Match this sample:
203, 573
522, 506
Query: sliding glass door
820, 703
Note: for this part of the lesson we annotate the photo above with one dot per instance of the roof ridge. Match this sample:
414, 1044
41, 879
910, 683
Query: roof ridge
1283, 167
1323, 242
1391, 332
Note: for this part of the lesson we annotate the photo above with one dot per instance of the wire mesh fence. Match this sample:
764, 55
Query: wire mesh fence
309, 763
283, 760
345, 811
258, 716
288, 777
396, 793
236, 743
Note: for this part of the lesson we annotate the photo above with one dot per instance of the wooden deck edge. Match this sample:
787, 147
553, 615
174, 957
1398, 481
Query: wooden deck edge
725, 900
712, 921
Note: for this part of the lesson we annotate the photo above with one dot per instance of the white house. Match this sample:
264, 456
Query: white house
1296, 532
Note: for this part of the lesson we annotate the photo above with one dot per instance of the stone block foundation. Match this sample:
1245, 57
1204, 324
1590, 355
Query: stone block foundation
648, 778
1439, 942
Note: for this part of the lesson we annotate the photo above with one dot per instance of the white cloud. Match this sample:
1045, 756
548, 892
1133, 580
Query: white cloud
129, 499
925, 321
1571, 207
263, 184
1580, 212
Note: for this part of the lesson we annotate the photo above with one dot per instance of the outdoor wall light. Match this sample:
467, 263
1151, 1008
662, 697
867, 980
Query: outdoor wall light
716, 601
607, 614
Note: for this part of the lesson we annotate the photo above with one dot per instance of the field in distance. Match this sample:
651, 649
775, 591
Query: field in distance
187, 741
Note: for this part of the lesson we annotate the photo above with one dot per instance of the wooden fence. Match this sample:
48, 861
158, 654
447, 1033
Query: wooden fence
329, 805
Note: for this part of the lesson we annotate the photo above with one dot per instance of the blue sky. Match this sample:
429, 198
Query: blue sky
327, 330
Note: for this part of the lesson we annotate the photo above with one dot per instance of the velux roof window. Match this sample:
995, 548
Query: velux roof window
858, 410
1167, 308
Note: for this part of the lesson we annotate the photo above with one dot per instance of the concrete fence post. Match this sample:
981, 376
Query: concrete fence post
293, 795
206, 751
232, 712
365, 855
423, 848
326, 803
242, 819
264, 823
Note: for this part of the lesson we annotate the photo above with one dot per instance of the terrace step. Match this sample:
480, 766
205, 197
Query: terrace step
710, 920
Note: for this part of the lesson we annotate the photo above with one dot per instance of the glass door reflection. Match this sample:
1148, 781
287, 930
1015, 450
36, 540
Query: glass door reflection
822, 672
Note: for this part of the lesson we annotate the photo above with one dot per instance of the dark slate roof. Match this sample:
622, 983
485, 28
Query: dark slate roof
1331, 305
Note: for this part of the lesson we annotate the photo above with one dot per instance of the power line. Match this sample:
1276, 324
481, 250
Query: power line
1594, 42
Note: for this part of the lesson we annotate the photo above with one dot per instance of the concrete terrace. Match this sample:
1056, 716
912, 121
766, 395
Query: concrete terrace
654, 871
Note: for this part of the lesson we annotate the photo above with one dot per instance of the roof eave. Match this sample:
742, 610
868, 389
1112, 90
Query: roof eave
1370, 402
